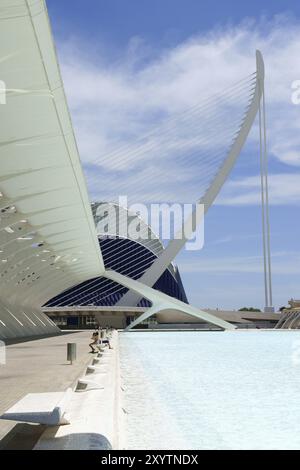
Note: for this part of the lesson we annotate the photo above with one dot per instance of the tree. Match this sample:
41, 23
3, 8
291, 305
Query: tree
249, 309
283, 308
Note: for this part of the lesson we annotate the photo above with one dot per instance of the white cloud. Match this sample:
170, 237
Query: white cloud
113, 103
284, 188
283, 263
232, 239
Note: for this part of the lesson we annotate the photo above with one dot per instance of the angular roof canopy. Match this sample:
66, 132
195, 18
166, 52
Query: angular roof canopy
48, 240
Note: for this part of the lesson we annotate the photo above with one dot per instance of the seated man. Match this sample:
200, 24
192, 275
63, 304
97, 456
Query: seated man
106, 341
95, 339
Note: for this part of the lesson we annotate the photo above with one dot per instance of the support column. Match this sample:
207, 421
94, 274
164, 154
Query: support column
265, 203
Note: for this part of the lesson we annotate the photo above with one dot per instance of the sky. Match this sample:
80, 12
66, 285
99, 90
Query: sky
129, 67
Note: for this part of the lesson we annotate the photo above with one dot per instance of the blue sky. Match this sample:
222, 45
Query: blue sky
166, 22
123, 61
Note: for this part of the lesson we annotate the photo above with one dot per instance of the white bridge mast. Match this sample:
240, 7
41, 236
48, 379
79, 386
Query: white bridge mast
265, 202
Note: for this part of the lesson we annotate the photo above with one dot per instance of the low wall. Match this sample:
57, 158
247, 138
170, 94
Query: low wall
95, 415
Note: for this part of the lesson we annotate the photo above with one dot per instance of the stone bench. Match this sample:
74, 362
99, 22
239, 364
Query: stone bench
41, 408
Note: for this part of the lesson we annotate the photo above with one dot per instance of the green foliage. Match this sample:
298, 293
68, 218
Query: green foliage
249, 309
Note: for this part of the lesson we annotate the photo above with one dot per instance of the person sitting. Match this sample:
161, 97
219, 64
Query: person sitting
95, 339
106, 341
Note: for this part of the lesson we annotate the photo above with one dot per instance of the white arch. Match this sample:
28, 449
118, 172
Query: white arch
155, 271
43, 191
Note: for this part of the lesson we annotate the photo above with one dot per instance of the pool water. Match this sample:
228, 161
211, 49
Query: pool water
211, 390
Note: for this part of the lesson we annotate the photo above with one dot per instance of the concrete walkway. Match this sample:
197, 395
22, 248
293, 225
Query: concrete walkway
37, 366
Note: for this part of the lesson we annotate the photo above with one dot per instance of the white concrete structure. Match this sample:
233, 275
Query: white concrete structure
47, 235
42, 408
48, 240
220, 176
99, 389
162, 302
